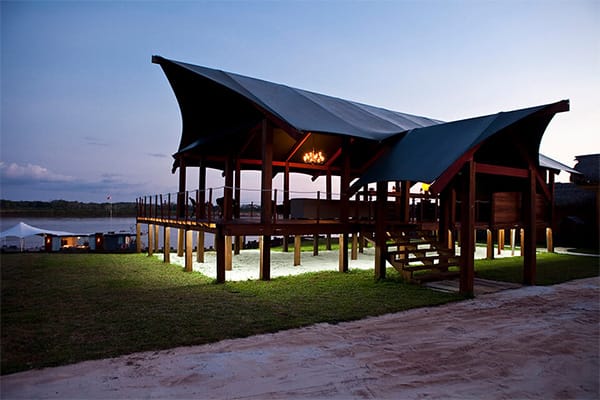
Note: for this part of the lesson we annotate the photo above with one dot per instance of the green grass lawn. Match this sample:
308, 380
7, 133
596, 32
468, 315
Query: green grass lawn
62, 308
551, 268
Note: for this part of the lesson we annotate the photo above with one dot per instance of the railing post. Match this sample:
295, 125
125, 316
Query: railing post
187, 205
318, 206
275, 205
210, 196
169, 206
162, 211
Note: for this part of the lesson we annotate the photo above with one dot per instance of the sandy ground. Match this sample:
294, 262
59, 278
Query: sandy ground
527, 343
246, 264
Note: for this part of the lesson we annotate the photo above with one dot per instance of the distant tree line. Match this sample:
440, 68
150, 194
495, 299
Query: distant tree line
63, 208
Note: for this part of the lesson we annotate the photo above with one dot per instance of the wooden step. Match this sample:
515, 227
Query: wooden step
436, 276
425, 259
440, 266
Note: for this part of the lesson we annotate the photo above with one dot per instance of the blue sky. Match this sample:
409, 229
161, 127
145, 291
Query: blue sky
86, 114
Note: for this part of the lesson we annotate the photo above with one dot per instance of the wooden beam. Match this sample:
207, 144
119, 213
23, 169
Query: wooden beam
200, 247
297, 249
380, 235
529, 260
334, 157
343, 252
228, 255
138, 237
265, 257
189, 236
166, 244
297, 146
201, 212
467, 227
150, 239
220, 250
481, 168
180, 244
267, 173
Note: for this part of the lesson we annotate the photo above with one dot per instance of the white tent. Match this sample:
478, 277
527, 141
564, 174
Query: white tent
22, 230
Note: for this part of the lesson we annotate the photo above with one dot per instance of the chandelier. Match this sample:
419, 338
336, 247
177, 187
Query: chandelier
314, 157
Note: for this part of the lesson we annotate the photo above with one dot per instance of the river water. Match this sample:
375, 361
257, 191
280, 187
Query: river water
83, 227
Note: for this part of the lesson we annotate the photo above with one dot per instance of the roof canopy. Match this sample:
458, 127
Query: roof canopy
424, 154
220, 110
222, 113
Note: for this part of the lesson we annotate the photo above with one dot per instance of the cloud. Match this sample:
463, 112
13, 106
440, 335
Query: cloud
93, 141
30, 172
34, 182
158, 155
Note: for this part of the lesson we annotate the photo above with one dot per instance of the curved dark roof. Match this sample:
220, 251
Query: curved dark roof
424, 154
215, 102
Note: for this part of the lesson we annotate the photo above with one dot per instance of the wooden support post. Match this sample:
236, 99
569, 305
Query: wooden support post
501, 240
513, 233
467, 250
228, 255
549, 240
522, 241
220, 249
345, 181
265, 257
200, 247
489, 245
237, 243
405, 200
361, 243
297, 248
166, 244
189, 247
138, 237
228, 190
156, 237
150, 239
267, 174
202, 190
286, 203
529, 208
343, 252
354, 251
380, 235
316, 244
180, 240
328, 189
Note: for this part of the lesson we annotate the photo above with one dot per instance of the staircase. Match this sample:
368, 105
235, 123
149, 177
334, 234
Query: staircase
419, 257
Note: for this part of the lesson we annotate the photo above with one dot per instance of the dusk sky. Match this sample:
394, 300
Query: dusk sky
86, 114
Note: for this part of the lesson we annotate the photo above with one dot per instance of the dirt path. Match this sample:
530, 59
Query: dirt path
533, 342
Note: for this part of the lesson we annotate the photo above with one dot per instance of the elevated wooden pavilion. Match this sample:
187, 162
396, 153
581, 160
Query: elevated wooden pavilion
485, 173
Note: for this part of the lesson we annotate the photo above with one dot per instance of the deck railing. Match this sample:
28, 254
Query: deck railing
207, 206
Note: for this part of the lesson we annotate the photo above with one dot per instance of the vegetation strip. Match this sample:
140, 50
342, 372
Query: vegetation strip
64, 308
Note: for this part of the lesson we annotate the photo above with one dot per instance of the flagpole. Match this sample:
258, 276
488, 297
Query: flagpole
110, 211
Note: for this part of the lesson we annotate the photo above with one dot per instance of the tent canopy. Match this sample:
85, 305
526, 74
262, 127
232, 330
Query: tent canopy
424, 154
22, 230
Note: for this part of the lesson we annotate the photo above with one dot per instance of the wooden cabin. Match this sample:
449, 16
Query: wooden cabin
484, 173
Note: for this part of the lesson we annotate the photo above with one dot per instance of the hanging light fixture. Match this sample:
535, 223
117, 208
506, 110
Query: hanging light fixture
313, 156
